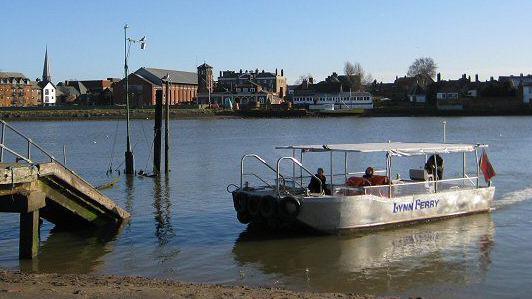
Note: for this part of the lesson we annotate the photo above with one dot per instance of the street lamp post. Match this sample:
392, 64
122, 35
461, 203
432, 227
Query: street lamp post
129, 158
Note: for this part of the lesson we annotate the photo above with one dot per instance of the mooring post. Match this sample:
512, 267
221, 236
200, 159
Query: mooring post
29, 234
166, 127
157, 131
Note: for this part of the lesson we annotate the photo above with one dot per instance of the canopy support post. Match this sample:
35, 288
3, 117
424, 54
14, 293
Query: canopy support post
301, 169
294, 169
332, 176
478, 167
435, 173
464, 170
389, 168
345, 165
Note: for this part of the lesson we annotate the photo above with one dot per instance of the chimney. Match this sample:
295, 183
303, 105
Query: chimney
464, 76
491, 78
282, 73
468, 78
311, 80
521, 75
220, 73
396, 77
476, 78
438, 76
241, 71
276, 72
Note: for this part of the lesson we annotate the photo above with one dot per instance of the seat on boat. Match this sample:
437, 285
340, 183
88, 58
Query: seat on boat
376, 180
355, 181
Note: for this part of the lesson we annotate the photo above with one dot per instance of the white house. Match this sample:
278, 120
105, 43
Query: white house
48, 94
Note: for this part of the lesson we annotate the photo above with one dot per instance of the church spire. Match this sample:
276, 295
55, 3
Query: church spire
46, 69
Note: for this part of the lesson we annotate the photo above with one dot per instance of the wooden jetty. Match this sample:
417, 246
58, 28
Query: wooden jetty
51, 191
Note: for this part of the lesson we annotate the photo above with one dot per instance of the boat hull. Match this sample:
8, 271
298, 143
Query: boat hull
333, 214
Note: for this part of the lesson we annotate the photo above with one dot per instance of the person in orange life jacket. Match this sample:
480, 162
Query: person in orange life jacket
314, 185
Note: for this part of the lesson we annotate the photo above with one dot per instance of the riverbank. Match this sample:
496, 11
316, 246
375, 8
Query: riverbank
106, 113
23, 285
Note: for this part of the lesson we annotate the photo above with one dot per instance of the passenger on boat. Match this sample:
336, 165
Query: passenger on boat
434, 166
314, 185
369, 173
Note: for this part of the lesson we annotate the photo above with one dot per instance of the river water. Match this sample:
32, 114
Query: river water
184, 227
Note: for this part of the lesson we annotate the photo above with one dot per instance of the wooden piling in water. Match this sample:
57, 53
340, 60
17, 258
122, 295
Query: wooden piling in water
157, 136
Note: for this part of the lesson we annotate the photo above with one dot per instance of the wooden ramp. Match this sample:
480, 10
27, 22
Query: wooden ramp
53, 192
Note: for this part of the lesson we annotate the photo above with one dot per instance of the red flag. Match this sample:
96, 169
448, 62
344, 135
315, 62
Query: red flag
486, 167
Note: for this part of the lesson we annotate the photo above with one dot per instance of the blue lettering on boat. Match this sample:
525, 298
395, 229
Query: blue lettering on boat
417, 205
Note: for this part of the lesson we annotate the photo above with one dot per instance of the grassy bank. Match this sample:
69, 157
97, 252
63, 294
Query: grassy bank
91, 113
103, 113
22, 285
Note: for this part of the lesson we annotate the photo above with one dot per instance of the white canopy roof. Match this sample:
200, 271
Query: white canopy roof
394, 148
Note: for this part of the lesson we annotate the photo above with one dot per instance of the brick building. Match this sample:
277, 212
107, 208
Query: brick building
243, 88
144, 83
18, 91
271, 82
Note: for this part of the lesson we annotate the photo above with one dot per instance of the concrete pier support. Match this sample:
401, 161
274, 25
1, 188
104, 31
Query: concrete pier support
29, 235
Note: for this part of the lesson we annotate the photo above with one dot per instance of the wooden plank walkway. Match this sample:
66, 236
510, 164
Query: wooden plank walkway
55, 193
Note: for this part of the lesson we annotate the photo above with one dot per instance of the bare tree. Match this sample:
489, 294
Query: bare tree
423, 66
302, 78
356, 75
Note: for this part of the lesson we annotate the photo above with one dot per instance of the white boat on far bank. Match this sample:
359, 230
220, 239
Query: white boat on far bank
352, 201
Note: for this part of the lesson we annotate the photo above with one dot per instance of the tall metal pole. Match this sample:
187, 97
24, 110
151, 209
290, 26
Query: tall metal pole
167, 127
444, 131
130, 161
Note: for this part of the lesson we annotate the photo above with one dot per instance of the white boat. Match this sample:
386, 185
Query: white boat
284, 200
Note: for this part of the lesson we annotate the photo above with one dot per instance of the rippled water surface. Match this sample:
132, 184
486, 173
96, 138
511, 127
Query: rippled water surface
183, 227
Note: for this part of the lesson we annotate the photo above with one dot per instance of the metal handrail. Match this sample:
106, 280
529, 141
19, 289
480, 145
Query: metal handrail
30, 143
342, 174
295, 161
257, 157
258, 177
420, 183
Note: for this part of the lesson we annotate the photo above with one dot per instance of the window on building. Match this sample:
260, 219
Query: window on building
46, 91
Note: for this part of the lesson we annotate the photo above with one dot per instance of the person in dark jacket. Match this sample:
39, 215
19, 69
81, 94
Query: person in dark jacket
315, 186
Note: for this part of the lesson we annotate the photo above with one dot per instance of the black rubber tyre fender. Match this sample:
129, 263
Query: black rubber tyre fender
289, 207
240, 201
268, 206
253, 205
243, 217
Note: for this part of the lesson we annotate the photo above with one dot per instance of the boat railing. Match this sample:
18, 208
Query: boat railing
345, 175
263, 162
399, 188
295, 162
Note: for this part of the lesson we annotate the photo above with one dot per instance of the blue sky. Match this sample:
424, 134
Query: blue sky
85, 38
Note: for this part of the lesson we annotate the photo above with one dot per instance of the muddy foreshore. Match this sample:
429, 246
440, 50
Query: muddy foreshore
25, 285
